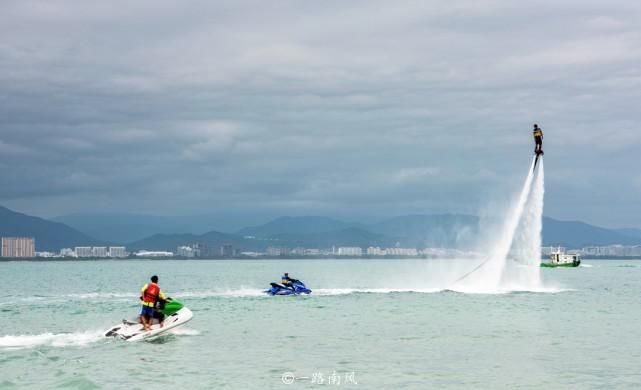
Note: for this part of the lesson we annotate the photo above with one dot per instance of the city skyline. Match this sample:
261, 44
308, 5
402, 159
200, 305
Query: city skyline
355, 110
463, 232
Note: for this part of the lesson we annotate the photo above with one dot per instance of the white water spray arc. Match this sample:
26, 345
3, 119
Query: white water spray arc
513, 262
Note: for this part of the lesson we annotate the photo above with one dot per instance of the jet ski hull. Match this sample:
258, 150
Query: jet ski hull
298, 289
284, 292
134, 331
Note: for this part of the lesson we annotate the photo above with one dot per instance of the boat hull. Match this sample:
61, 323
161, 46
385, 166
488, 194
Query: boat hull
567, 265
134, 331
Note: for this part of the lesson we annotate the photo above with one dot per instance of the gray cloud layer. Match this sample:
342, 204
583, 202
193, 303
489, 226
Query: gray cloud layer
377, 108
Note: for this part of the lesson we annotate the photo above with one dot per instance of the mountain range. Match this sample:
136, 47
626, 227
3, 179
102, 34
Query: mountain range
166, 233
120, 227
49, 235
630, 232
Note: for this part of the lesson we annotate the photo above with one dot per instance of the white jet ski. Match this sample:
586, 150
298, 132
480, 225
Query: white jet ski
175, 313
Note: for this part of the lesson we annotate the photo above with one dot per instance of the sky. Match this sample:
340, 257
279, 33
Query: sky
344, 109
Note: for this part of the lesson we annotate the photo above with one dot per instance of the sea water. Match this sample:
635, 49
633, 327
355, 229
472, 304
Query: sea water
370, 324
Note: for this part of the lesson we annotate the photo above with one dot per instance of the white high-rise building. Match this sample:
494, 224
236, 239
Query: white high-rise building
185, 251
117, 252
18, 247
402, 252
68, 252
633, 251
277, 251
99, 251
298, 251
350, 251
376, 251
84, 251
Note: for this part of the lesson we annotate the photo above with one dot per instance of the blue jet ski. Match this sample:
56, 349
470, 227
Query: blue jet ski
298, 287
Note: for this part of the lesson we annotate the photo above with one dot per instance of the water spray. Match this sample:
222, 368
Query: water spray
526, 211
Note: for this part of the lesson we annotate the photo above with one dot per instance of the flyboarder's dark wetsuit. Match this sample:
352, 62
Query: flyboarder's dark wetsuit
538, 140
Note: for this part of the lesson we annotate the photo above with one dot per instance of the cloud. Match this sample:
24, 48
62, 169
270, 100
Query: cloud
10, 150
415, 174
337, 108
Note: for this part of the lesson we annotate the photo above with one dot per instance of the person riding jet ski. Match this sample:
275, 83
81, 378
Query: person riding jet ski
286, 281
150, 293
288, 286
171, 312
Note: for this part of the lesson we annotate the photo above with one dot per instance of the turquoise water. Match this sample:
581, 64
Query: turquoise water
375, 324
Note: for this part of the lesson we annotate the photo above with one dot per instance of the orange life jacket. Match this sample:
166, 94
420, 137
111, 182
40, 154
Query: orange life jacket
151, 293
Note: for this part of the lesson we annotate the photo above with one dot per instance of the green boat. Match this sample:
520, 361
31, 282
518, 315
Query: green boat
561, 259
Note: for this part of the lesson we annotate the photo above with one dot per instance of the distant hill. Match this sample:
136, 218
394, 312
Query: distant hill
50, 236
630, 232
344, 237
163, 242
121, 227
411, 230
212, 240
127, 227
295, 226
444, 230
418, 231
576, 234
